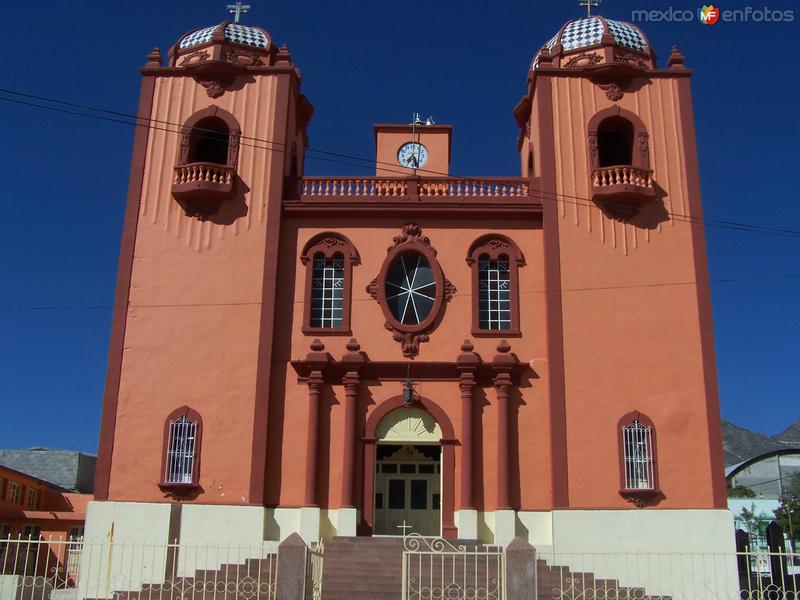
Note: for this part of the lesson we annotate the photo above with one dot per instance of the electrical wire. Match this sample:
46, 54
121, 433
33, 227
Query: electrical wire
369, 299
340, 158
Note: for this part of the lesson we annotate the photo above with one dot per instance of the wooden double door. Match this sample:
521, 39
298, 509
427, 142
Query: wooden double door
408, 489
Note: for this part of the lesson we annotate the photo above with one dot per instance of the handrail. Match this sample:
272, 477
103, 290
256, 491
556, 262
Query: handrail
338, 188
622, 175
205, 172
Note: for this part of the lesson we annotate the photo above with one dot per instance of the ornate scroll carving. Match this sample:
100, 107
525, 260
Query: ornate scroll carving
585, 59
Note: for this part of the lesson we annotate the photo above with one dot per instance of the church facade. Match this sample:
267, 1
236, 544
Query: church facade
465, 357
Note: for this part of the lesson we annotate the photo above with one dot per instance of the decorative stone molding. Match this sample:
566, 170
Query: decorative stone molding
613, 90
583, 60
411, 335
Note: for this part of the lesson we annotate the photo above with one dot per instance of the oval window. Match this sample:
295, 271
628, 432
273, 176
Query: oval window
410, 288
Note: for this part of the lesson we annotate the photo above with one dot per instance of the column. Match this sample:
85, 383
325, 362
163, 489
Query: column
315, 382
467, 363
352, 361
351, 388
502, 385
467, 386
317, 361
504, 366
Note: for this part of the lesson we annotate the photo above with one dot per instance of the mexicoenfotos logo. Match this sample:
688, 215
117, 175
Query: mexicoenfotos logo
708, 14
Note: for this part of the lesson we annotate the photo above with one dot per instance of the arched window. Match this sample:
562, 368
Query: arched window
615, 142
617, 137
182, 437
638, 453
329, 259
210, 136
494, 259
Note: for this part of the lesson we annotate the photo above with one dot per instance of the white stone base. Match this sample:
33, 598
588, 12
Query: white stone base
467, 523
611, 544
346, 522
505, 527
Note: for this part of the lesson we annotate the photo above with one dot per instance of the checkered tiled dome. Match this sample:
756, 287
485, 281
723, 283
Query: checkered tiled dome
588, 31
238, 34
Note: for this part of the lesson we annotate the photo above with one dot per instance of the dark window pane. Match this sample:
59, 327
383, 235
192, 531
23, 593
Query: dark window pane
410, 288
397, 494
390, 468
408, 468
419, 494
426, 468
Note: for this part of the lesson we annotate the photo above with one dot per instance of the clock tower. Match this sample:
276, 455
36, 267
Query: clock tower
399, 148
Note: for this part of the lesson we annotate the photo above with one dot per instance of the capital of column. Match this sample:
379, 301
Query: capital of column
504, 364
318, 359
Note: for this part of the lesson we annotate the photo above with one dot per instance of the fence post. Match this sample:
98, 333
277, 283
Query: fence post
520, 570
290, 580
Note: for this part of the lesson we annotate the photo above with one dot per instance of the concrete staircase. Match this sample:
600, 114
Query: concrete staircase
560, 583
252, 580
372, 568
363, 568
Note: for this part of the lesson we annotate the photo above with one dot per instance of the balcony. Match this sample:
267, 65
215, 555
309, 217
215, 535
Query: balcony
622, 187
401, 196
201, 187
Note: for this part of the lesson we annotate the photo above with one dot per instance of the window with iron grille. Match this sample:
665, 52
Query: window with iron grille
638, 456
494, 292
33, 499
495, 260
327, 291
2, 488
15, 493
180, 467
31, 532
5, 531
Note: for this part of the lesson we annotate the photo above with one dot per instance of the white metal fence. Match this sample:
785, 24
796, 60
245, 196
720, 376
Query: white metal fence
313, 589
434, 568
677, 576
55, 569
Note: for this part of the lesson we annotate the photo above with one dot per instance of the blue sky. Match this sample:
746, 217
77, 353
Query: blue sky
465, 63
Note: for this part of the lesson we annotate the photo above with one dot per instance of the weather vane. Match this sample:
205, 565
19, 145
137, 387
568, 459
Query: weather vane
237, 10
589, 4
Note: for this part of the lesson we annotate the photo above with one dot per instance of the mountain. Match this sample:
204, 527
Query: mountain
741, 444
791, 434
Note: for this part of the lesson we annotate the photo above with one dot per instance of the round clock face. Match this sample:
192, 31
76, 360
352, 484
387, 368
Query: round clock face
412, 155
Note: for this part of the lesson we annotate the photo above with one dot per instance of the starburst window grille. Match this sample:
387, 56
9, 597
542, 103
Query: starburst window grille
410, 288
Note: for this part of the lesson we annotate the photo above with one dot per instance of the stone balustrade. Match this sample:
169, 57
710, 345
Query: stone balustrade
342, 188
204, 172
622, 175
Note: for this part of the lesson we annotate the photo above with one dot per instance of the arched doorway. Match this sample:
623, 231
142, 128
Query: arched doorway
409, 470
408, 474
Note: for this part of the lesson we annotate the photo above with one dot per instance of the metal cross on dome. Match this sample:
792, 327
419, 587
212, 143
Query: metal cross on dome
237, 10
589, 4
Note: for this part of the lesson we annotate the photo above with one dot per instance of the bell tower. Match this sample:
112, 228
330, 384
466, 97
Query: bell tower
222, 135
611, 137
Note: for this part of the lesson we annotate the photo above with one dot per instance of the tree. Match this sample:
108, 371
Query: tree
787, 514
750, 521
741, 492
